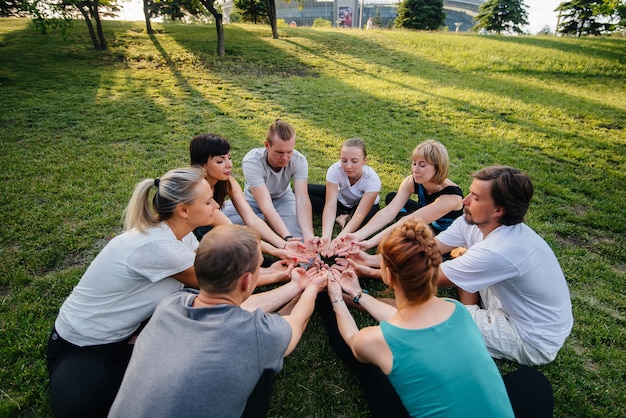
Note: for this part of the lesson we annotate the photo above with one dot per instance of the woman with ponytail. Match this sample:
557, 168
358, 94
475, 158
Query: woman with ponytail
426, 357
91, 343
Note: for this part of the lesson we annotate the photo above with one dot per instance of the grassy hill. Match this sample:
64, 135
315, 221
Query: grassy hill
78, 128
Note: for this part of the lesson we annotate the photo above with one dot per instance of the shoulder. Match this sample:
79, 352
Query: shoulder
298, 157
369, 171
254, 155
451, 188
334, 167
368, 342
235, 187
408, 183
272, 325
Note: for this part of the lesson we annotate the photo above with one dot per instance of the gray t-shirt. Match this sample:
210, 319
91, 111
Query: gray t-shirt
257, 172
190, 362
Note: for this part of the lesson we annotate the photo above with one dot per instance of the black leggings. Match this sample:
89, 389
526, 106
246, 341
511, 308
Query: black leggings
317, 195
529, 390
381, 397
85, 380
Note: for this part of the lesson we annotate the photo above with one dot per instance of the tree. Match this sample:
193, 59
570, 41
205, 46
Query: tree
499, 16
270, 8
584, 17
9, 8
378, 23
420, 14
252, 10
176, 9
60, 13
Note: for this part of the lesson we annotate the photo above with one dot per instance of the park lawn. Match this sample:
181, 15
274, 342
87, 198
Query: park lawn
80, 127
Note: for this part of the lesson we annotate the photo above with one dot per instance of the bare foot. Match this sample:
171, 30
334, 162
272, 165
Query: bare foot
457, 252
341, 220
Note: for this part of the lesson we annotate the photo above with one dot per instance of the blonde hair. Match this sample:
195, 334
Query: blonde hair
284, 130
175, 187
356, 143
436, 154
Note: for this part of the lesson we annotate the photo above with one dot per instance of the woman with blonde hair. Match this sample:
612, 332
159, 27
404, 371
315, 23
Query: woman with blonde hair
429, 349
439, 200
350, 196
91, 343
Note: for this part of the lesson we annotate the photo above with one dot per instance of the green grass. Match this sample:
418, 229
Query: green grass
79, 128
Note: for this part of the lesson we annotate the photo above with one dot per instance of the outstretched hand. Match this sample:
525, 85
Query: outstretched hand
335, 292
282, 268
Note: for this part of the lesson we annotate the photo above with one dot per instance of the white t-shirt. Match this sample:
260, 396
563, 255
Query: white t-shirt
123, 284
522, 271
257, 171
350, 195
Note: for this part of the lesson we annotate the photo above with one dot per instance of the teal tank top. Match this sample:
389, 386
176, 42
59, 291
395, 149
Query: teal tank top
445, 370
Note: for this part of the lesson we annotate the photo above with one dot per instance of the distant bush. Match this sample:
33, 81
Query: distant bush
322, 23
280, 23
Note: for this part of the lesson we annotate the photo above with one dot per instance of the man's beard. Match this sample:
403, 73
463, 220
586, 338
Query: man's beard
468, 217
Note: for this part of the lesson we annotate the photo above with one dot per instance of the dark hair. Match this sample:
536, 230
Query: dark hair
225, 254
201, 148
284, 130
410, 253
511, 189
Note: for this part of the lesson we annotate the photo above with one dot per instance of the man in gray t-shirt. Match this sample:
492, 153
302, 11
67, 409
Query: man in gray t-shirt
268, 172
202, 353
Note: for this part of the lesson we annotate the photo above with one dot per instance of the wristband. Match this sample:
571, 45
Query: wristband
337, 300
358, 296
288, 237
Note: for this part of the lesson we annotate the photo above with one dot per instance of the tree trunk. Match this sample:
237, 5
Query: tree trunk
219, 26
270, 5
92, 32
96, 17
146, 14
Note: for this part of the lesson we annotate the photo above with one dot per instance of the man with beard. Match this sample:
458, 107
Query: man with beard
524, 312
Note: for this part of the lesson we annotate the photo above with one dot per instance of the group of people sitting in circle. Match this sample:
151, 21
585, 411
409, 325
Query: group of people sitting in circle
165, 321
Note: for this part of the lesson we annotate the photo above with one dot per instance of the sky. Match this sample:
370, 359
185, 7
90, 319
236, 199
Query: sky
540, 13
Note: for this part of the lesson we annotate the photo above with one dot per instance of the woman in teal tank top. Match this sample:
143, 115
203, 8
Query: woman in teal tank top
429, 348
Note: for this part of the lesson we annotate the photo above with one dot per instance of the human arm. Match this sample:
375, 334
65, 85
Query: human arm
367, 345
293, 250
278, 272
443, 248
304, 212
389, 212
428, 214
301, 312
361, 270
274, 299
187, 277
349, 283
263, 198
251, 219
362, 210
328, 217
364, 265
220, 219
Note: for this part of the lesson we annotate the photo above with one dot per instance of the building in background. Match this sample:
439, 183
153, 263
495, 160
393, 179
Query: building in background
354, 13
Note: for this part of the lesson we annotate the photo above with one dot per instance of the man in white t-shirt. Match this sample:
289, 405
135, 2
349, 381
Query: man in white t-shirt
268, 172
525, 313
